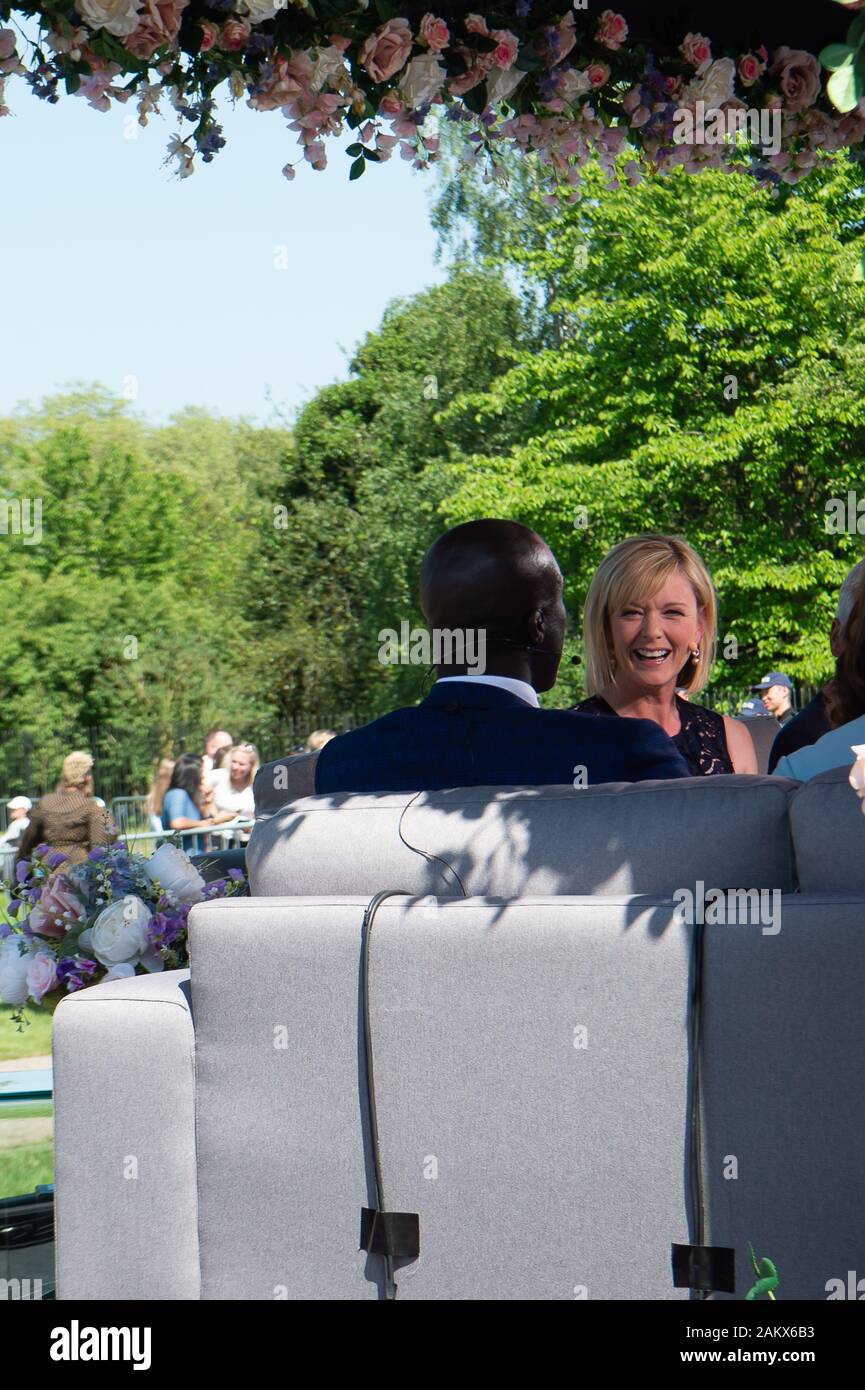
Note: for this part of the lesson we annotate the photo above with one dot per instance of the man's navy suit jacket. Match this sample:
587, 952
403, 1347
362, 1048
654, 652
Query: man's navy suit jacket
468, 734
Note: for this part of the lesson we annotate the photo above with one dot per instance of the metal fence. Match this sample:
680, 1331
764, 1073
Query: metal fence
125, 757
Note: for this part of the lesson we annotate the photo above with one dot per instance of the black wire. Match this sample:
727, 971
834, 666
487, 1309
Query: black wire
695, 1136
372, 907
430, 858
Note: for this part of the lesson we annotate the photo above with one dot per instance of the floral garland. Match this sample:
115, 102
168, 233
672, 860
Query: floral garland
565, 85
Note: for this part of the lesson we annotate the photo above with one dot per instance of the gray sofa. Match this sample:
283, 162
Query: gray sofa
569, 1077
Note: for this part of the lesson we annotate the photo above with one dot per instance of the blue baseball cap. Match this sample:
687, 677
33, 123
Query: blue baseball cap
773, 678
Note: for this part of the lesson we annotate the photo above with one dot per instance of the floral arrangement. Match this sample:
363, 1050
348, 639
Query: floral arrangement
533, 75
115, 914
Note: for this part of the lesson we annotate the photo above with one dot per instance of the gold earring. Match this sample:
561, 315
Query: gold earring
695, 654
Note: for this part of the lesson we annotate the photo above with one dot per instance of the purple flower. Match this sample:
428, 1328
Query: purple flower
74, 982
236, 874
5, 930
42, 850
22, 870
98, 853
56, 858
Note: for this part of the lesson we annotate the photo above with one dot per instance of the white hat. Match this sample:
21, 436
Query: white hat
20, 803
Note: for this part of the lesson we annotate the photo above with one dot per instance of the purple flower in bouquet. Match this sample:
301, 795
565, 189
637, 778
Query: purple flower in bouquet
96, 854
56, 858
22, 870
165, 927
236, 874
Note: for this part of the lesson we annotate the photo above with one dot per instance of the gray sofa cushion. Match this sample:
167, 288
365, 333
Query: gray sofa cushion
828, 831
783, 1060
538, 1168
620, 838
124, 1135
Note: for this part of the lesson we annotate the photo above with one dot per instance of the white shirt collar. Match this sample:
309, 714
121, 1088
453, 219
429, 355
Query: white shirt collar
521, 688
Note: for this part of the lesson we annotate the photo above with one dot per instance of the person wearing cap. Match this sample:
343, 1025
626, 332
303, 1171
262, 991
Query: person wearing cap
19, 809
68, 820
813, 722
776, 691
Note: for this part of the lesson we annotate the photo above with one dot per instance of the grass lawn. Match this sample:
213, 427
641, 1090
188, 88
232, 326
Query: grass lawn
25, 1167
34, 1041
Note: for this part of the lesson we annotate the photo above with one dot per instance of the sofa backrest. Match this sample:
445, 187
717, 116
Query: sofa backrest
533, 1077
783, 1059
530, 1065
828, 831
763, 730
643, 837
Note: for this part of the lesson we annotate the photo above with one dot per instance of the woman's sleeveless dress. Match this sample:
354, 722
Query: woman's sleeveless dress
702, 739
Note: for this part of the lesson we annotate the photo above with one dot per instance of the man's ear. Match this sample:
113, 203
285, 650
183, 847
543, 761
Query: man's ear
536, 628
836, 638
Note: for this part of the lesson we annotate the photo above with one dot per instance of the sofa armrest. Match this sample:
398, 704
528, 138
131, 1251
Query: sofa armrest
126, 1199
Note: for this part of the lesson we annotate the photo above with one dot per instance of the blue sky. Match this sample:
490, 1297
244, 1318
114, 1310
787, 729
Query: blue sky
113, 268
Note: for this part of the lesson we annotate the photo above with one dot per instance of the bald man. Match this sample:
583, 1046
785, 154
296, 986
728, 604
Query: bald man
491, 592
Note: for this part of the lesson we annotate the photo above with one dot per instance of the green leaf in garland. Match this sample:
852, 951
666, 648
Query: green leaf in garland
373, 156
762, 1286
856, 32
834, 55
357, 169
73, 80
846, 85
355, 151
386, 9
476, 99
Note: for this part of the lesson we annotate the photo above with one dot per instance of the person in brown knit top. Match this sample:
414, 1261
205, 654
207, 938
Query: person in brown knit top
68, 819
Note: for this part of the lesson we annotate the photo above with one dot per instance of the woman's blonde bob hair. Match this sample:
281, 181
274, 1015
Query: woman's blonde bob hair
634, 570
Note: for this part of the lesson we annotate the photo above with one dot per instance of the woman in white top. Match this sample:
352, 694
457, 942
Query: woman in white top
845, 705
232, 784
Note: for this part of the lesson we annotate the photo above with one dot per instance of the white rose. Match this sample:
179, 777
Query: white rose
328, 64
41, 975
119, 972
119, 17
13, 971
501, 84
179, 879
119, 932
571, 84
422, 80
260, 10
714, 86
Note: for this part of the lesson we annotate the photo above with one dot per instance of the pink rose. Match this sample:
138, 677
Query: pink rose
673, 86
798, 75
390, 105
158, 26
598, 73
234, 35
7, 43
337, 41
387, 50
41, 975
505, 51
464, 83
433, 33
696, 50
612, 30
58, 907
209, 34
750, 68
476, 24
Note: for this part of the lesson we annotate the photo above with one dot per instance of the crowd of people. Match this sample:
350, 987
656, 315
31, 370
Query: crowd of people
205, 791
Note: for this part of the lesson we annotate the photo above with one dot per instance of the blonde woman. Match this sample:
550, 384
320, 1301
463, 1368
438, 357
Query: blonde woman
69, 819
650, 625
232, 783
